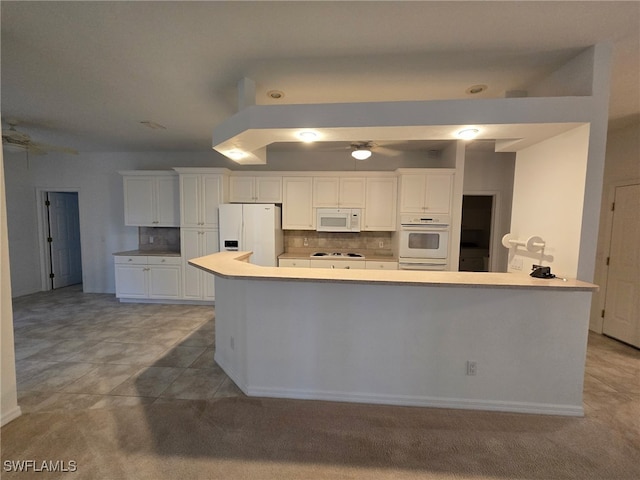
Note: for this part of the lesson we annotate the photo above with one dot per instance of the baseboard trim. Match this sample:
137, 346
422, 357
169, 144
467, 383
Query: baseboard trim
10, 416
168, 301
418, 401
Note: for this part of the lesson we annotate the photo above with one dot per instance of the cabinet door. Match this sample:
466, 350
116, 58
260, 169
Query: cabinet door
139, 201
241, 190
268, 189
352, 192
326, 192
297, 207
438, 193
131, 281
191, 276
210, 244
294, 262
167, 202
412, 193
211, 199
164, 281
189, 200
380, 205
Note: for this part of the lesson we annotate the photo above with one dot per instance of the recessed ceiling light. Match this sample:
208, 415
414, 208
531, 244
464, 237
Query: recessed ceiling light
153, 125
307, 136
468, 133
275, 94
475, 89
236, 154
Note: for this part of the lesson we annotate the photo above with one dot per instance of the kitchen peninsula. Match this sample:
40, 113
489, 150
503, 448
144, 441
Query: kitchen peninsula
488, 341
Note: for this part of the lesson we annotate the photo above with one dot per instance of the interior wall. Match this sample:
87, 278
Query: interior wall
489, 173
8, 391
549, 191
622, 166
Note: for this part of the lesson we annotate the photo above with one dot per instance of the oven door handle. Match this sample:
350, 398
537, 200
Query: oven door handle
422, 266
423, 228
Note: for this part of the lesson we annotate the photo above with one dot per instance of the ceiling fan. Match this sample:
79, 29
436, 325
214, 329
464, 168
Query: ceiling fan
363, 150
14, 139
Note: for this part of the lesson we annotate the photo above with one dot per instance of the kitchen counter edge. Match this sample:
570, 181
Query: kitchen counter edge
236, 265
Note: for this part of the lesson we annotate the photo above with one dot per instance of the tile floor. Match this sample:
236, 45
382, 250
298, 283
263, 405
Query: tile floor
87, 351
77, 351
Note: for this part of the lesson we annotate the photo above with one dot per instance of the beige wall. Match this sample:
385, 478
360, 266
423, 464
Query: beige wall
549, 191
622, 166
8, 392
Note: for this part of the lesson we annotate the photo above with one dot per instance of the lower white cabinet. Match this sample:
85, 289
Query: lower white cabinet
148, 277
380, 265
294, 262
197, 242
346, 264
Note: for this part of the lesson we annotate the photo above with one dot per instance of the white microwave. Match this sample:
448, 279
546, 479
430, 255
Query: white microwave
338, 219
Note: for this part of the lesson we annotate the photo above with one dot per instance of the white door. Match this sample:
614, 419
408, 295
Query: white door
622, 301
209, 245
64, 236
191, 276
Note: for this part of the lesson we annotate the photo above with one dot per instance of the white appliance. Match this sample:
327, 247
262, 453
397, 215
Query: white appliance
424, 242
255, 227
338, 220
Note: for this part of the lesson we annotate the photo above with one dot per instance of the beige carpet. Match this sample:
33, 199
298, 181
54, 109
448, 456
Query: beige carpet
243, 438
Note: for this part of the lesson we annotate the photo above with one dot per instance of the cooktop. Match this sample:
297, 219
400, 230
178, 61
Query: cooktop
330, 255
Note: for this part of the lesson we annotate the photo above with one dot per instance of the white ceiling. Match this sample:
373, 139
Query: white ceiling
84, 74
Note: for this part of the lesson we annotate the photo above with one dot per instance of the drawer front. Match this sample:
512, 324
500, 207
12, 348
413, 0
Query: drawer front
157, 260
294, 262
337, 264
373, 265
131, 260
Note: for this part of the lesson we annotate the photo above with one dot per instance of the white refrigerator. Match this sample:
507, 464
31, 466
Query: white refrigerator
255, 227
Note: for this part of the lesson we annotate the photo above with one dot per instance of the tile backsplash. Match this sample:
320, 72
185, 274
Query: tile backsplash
309, 241
159, 239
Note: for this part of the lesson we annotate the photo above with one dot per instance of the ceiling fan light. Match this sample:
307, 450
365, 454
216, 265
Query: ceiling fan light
361, 154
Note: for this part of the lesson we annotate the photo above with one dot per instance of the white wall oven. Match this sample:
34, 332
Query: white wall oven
424, 242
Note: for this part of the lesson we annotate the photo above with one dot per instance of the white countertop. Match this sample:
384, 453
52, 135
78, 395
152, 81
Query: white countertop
236, 265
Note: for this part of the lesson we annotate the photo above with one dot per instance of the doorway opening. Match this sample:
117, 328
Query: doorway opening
476, 235
61, 252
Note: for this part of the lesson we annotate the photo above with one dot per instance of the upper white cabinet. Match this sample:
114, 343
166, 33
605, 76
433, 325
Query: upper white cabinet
151, 199
200, 195
381, 204
339, 192
297, 203
427, 192
259, 189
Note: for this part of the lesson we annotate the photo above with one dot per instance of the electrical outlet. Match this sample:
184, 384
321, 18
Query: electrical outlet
516, 264
472, 367
381, 244
151, 239
305, 242
233, 343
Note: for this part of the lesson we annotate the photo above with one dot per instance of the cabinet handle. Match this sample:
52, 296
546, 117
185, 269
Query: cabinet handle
130, 260
163, 260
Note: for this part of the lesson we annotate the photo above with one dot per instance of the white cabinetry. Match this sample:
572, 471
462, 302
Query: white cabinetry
339, 192
264, 189
381, 204
151, 199
148, 277
200, 195
297, 203
345, 264
198, 285
381, 265
428, 192
202, 190
294, 262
